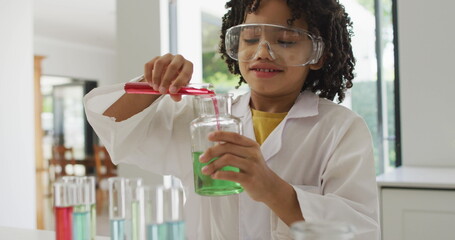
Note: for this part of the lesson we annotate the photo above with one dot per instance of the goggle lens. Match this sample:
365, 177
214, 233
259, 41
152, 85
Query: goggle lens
286, 46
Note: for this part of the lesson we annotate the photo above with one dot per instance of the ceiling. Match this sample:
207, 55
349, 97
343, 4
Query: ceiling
87, 22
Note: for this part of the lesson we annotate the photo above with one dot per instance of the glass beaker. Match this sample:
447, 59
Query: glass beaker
213, 113
303, 230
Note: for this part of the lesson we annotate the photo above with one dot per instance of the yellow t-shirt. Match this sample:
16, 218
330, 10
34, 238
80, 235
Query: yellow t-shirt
264, 123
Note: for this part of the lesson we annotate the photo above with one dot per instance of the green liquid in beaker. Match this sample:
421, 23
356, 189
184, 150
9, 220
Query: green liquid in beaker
205, 185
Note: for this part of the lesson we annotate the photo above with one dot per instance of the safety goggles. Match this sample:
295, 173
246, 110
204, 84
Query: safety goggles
285, 46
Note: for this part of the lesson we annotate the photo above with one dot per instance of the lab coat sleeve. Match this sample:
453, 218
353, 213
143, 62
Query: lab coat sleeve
348, 190
150, 139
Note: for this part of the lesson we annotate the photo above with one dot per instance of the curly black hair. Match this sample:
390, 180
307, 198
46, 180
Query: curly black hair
326, 18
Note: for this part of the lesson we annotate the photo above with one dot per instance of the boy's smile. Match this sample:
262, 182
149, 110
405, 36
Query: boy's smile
265, 70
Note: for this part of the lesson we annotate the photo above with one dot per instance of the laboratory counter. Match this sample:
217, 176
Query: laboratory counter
11, 233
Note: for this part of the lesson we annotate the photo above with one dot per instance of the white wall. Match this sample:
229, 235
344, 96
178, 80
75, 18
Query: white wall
138, 36
138, 41
76, 60
189, 36
427, 82
17, 157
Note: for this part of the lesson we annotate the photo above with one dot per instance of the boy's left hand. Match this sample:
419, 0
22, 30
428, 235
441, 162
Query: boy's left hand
235, 150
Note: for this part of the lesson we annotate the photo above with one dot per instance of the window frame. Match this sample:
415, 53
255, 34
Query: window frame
383, 132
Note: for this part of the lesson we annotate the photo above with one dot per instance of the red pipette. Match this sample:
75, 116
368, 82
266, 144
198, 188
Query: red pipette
137, 87
145, 88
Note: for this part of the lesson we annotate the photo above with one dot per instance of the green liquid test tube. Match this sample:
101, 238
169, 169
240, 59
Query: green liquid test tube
81, 212
81, 223
136, 211
90, 180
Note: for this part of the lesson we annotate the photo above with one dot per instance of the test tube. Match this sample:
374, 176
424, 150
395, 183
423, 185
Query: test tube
173, 210
117, 208
156, 228
81, 211
136, 213
63, 211
90, 180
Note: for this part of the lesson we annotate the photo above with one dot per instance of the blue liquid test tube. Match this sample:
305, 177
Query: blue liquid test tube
117, 208
156, 228
173, 213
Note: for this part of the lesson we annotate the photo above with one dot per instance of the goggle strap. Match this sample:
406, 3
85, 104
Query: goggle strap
318, 52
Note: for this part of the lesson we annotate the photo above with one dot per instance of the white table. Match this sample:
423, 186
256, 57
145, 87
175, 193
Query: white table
419, 177
9, 233
418, 203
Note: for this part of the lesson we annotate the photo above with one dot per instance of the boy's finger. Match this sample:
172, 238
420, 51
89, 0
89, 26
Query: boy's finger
148, 71
176, 97
231, 137
220, 150
183, 77
226, 160
159, 69
172, 71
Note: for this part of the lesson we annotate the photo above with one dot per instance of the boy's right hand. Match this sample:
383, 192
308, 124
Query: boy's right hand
168, 73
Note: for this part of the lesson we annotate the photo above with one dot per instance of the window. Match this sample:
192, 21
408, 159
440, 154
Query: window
214, 69
375, 80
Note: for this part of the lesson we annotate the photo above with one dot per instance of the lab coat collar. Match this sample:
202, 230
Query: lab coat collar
306, 105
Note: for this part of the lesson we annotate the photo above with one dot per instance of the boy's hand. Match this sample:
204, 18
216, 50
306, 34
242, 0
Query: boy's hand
168, 73
258, 180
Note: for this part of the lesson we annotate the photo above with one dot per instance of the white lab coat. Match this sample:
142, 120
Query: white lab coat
322, 149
